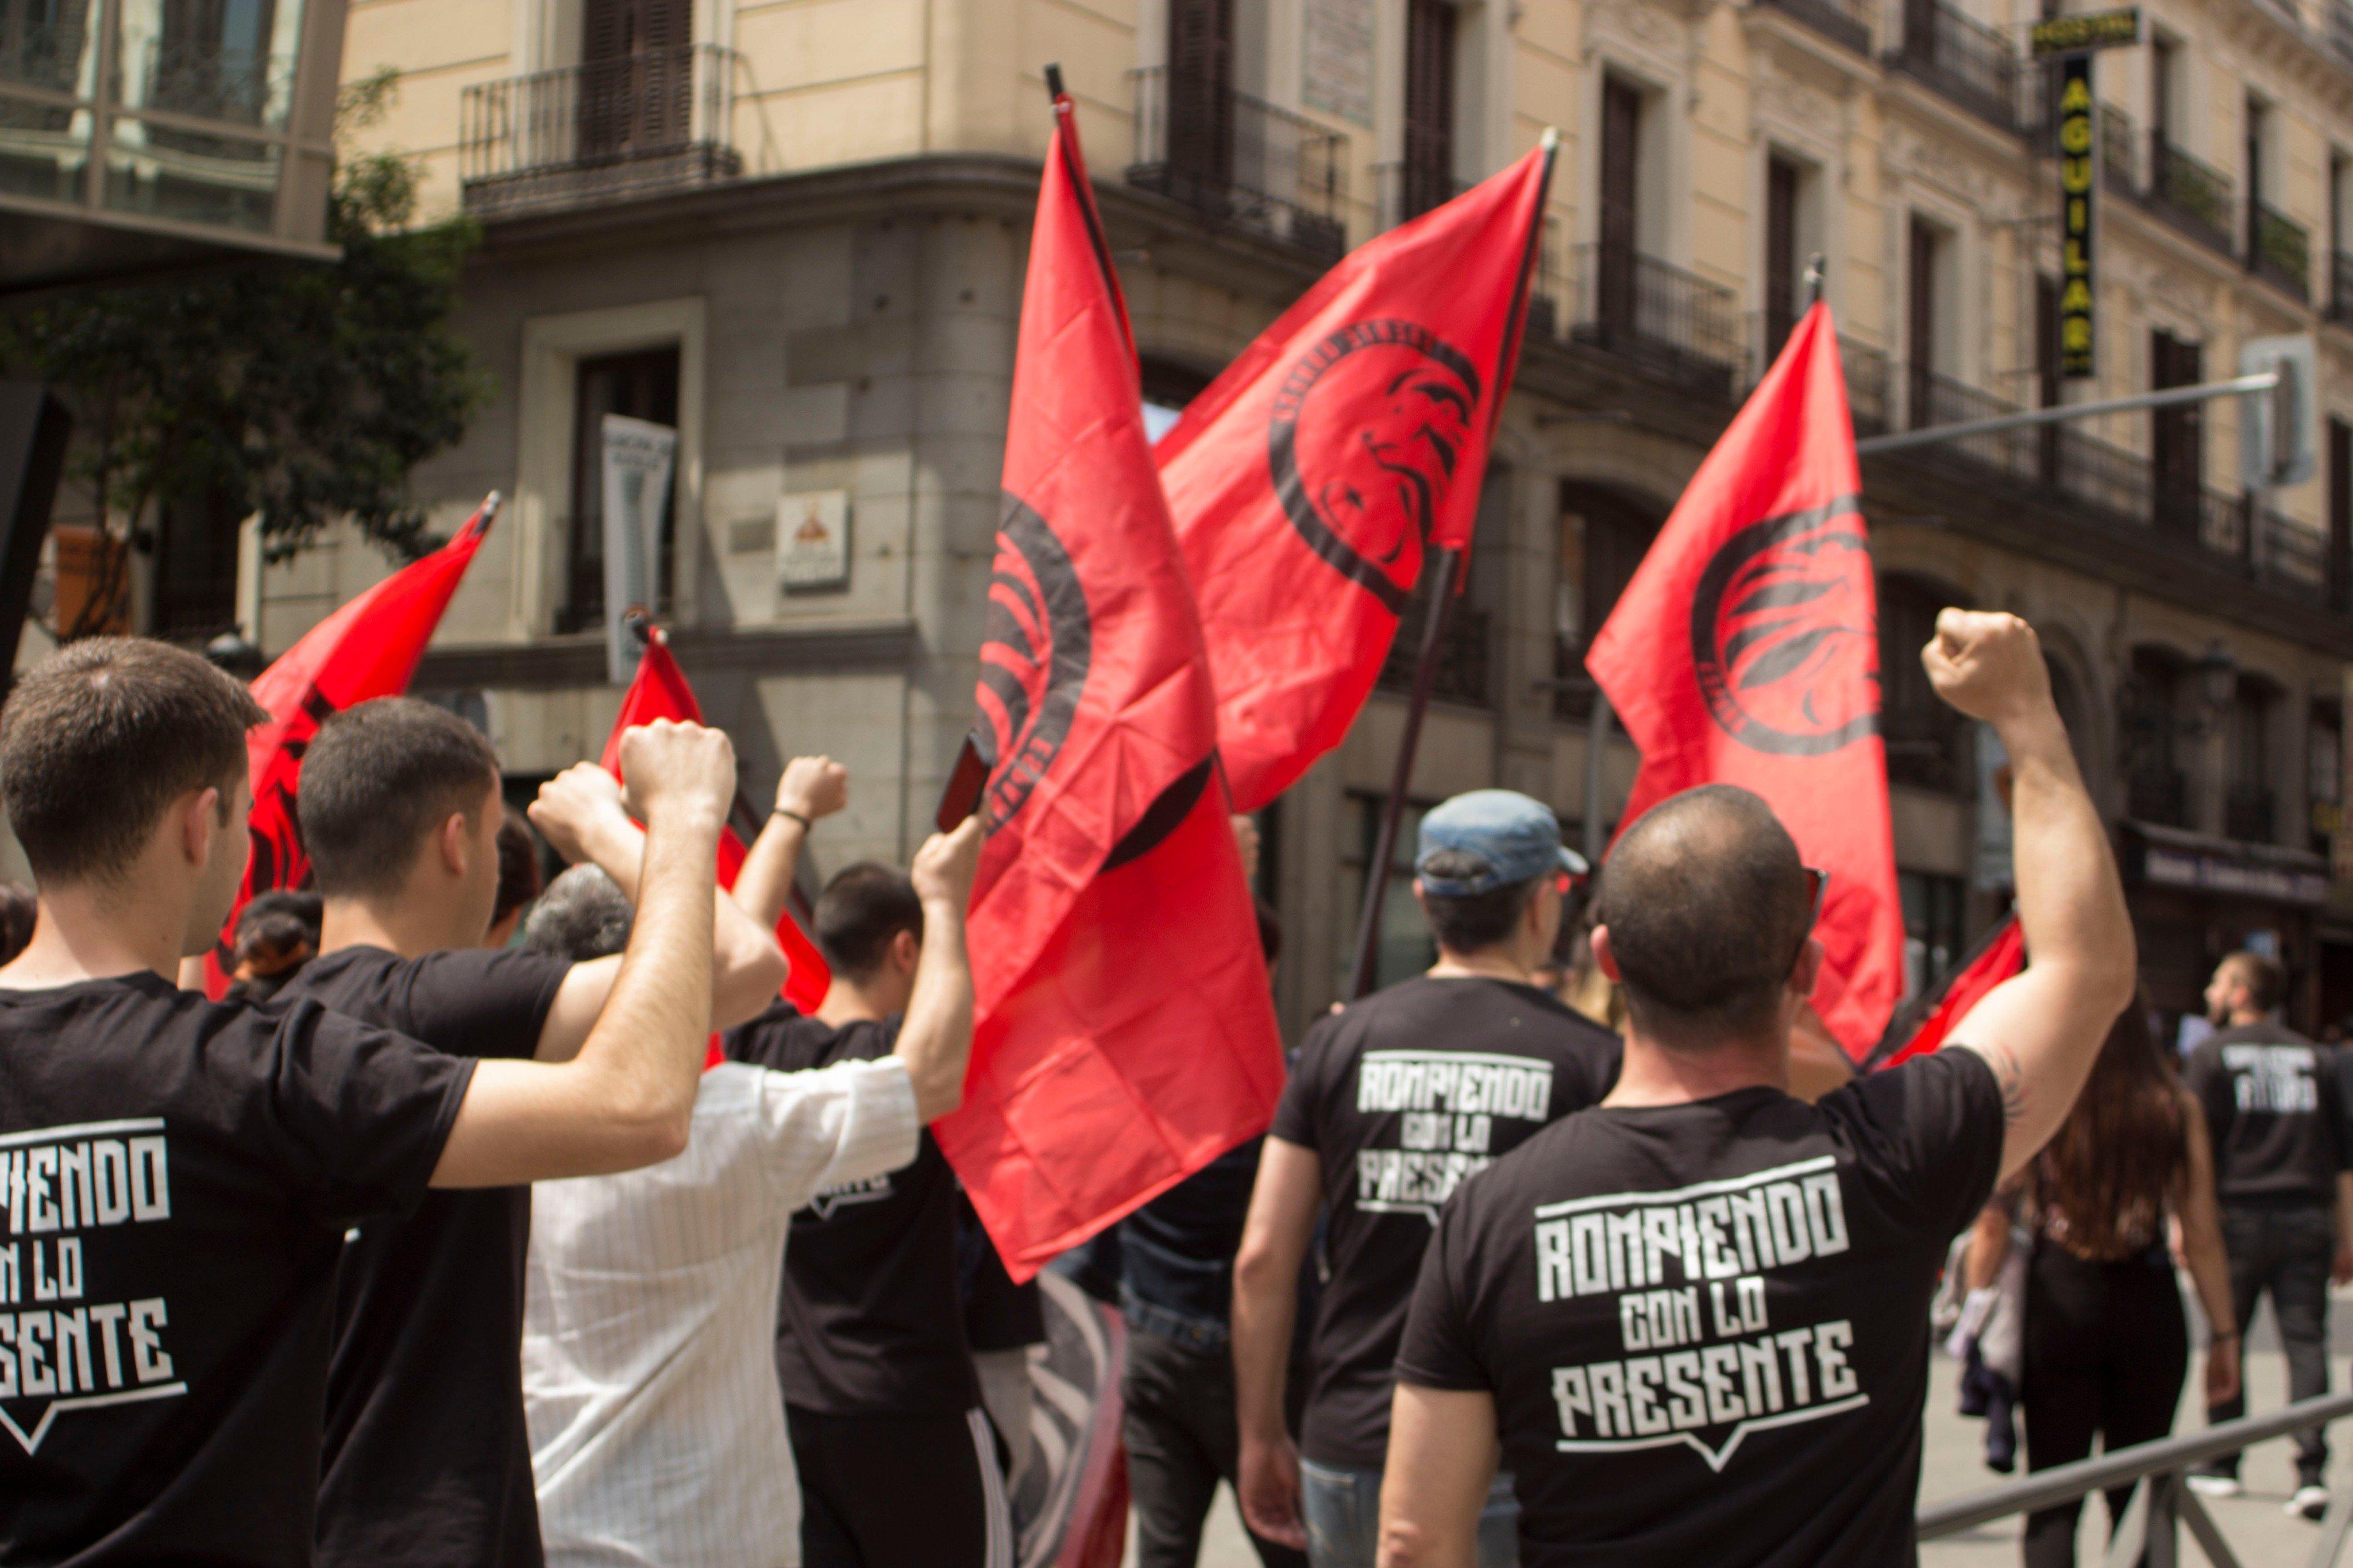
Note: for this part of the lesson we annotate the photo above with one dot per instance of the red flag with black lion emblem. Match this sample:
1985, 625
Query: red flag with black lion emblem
368, 648
1125, 1034
1309, 482
1746, 651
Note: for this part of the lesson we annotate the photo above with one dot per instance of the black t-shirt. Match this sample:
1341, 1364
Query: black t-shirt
2276, 1111
175, 1179
998, 1315
1401, 1097
427, 1456
1176, 1252
868, 1320
1705, 1326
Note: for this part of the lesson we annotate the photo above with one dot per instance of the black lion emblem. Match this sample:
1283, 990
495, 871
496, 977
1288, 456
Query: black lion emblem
1783, 635
1033, 660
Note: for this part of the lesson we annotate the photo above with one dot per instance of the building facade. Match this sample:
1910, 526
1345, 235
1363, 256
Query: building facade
794, 230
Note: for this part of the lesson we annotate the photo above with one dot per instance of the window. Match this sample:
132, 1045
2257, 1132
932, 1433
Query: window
1925, 737
1428, 175
1405, 947
641, 384
1200, 96
2324, 771
2164, 88
1928, 320
1784, 266
1932, 928
1603, 538
2340, 514
195, 568
2177, 436
1615, 285
636, 77
2155, 789
2248, 804
1167, 388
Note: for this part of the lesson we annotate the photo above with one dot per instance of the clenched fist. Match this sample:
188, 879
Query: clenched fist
577, 804
813, 787
945, 865
1989, 665
676, 770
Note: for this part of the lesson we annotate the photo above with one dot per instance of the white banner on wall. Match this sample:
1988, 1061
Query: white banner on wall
638, 459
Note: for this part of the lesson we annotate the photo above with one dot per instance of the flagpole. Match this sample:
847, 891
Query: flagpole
1377, 872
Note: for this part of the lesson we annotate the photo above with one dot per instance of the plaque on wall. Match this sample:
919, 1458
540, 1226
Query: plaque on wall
813, 542
1337, 57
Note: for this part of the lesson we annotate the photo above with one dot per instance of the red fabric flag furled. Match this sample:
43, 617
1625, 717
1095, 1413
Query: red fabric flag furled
1746, 651
1309, 483
1125, 1033
2000, 954
660, 692
366, 649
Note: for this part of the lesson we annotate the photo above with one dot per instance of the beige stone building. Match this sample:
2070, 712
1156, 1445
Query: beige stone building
794, 230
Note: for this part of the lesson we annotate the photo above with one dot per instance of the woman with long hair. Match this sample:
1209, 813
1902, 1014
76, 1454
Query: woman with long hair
2106, 1345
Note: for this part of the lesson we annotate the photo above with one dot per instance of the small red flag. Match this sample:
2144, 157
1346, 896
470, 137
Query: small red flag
660, 692
1999, 956
1309, 482
1746, 651
366, 649
1125, 1033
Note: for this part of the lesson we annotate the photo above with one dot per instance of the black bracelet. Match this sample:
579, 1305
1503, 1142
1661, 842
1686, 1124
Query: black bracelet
796, 816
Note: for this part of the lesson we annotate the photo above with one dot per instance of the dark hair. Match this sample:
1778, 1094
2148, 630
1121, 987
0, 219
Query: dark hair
2102, 1183
1470, 923
2265, 980
583, 915
519, 881
277, 932
378, 778
862, 910
100, 738
18, 909
1706, 904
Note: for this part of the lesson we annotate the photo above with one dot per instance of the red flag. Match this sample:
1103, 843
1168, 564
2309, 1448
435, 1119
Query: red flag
1310, 480
1125, 1033
366, 649
660, 692
1746, 651
1999, 956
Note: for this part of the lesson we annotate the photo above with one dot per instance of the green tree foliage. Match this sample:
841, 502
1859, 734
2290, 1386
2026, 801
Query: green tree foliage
304, 392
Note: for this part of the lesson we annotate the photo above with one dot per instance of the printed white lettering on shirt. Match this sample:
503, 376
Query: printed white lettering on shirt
1446, 1103
57, 1186
873, 1189
2277, 1078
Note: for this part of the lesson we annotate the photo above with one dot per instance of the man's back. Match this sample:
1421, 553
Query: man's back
1402, 1096
2274, 1108
178, 1175
1705, 1325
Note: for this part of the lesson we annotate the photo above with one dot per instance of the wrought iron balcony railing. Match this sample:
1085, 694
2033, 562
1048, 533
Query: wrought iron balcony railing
1241, 163
2340, 286
620, 126
1844, 22
2249, 812
1961, 58
2279, 250
2119, 152
1870, 386
1672, 322
2196, 197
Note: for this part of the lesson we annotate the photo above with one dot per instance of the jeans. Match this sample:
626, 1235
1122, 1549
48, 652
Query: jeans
2285, 1251
1342, 1511
1178, 1425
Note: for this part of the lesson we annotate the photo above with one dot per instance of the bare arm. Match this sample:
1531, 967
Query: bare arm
1266, 1301
2040, 1031
935, 1040
1441, 1462
627, 1100
2201, 1213
1989, 1246
811, 789
580, 811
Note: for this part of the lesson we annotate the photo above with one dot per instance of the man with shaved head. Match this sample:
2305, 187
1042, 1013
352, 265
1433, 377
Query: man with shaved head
1692, 1320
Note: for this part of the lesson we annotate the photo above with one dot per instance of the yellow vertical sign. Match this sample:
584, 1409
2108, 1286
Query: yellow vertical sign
2078, 191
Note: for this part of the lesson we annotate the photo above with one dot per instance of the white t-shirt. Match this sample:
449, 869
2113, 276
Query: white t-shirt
657, 1427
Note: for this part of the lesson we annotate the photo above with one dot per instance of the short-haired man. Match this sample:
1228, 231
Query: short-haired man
188, 1169
428, 1455
648, 1370
2275, 1110
878, 1377
1392, 1103
1696, 1315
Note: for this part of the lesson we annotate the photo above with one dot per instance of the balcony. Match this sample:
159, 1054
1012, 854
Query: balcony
2340, 31
1846, 22
1870, 386
1673, 322
1241, 164
626, 126
1963, 60
2248, 813
2158, 793
2195, 197
2340, 303
2119, 152
2279, 251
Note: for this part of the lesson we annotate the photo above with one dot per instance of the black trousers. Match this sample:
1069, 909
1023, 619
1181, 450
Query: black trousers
899, 1491
2107, 1350
2285, 1253
1178, 1425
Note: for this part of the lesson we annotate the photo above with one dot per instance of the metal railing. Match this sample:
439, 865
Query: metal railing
1675, 322
2279, 250
2340, 286
1869, 385
1241, 162
655, 119
1404, 190
2196, 197
2119, 152
1972, 64
2165, 1505
1844, 22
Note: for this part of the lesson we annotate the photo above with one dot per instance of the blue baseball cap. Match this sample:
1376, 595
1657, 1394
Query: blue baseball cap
1517, 838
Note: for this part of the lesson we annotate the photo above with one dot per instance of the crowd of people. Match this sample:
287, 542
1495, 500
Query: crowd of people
484, 1223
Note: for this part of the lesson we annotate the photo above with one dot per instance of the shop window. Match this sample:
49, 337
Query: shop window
640, 384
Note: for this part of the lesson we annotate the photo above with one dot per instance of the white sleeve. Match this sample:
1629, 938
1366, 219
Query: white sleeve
842, 1123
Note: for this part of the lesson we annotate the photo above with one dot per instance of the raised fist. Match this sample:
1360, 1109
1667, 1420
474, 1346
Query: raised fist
673, 768
1989, 665
813, 787
573, 805
945, 865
